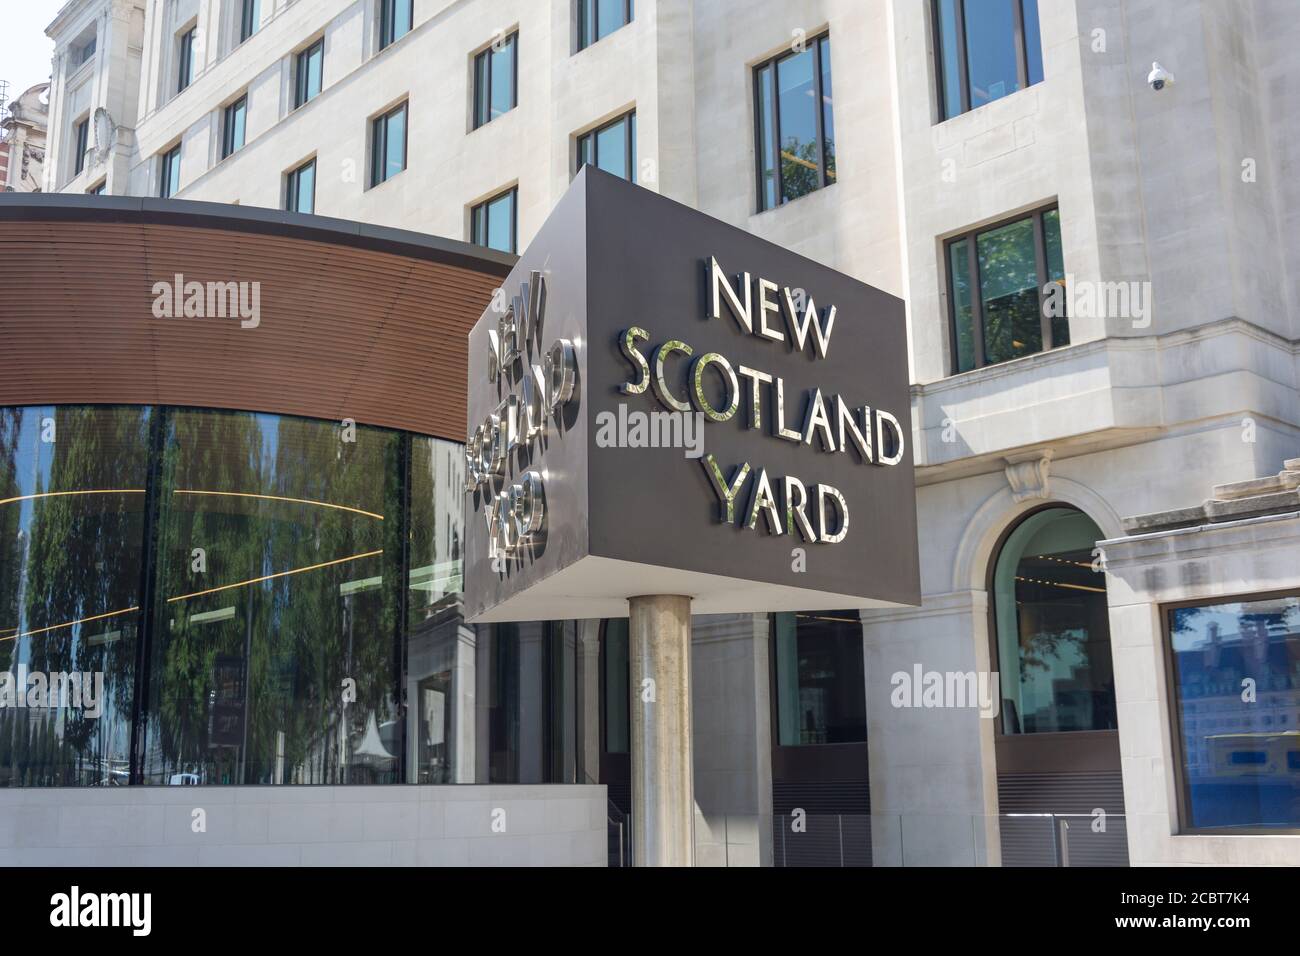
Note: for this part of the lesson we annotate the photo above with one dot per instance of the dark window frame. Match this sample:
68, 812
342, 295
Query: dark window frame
474, 238
585, 8
379, 143
484, 56
963, 80
774, 696
292, 179
591, 136
813, 43
301, 72
977, 306
1177, 749
86, 51
388, 18
169, 162
82, 143
229, 115
250, 17
185, 66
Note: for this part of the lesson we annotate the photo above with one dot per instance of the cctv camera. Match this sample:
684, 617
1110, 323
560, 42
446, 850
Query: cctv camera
1159, 77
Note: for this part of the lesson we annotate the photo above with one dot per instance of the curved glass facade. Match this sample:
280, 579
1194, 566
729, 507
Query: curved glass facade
195, 597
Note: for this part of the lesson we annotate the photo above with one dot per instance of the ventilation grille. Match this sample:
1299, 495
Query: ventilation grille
1069, 797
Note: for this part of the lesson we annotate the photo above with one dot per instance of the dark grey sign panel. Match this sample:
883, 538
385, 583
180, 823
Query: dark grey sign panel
661, 403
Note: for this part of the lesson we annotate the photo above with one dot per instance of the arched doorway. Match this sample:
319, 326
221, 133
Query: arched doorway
1056, 734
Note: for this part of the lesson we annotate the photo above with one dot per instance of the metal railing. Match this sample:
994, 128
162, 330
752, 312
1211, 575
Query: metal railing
1011, 839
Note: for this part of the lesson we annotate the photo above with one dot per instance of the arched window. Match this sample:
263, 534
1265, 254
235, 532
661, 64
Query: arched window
1053, 634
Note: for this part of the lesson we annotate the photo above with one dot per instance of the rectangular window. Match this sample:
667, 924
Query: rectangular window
185, 67
83, 142
300, 188
496, 84
394, 20
611, 147
308, 72
597, 19
998, 283
169, 172
990, 53
492, 223
795, 124
99, 189
388, 145
820, 683
232, 126
85, 52
1240, 753
250, 18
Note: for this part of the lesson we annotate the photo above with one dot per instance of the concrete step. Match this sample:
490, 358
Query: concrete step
1292, 464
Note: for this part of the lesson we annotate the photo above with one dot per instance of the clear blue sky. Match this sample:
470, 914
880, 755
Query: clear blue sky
25, 50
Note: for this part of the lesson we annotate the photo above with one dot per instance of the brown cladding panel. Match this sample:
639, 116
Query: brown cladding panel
346, 330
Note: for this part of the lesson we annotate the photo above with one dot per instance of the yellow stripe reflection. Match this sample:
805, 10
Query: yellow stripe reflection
56, 627
60, 494
296, 501
278, 574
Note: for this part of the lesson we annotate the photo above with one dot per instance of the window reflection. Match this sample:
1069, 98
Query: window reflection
273, 657
72, 489
820, 684
1236, 669
795, 125
1053, 627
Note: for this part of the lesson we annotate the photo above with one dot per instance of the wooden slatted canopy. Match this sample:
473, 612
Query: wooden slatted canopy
355, 321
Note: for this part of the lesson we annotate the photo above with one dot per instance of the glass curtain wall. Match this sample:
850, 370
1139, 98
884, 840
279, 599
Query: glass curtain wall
295, 619
72, 496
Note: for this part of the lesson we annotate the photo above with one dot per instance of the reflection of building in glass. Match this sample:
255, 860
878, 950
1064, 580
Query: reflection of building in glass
1238, 674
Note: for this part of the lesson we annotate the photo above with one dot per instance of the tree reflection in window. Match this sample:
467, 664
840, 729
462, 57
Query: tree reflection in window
277, 603
72, 483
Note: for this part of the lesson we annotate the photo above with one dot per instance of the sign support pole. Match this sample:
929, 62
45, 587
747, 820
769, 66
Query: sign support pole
663, 797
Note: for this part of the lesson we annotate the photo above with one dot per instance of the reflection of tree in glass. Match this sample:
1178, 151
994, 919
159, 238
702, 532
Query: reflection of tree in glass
799, 172
83, 560
290, 641
1009, 286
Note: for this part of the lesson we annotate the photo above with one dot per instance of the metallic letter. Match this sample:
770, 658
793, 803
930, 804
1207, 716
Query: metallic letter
660, 386
766, 305
845, 416
718, 284
882, 417
627, 345
727, 490
815, 417
756, 394
799, 328
778, 423
796, 512
825, 492
561, 373
697, 387
762, 497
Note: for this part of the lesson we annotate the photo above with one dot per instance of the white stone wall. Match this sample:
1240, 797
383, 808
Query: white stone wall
304, 826
1144, 572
